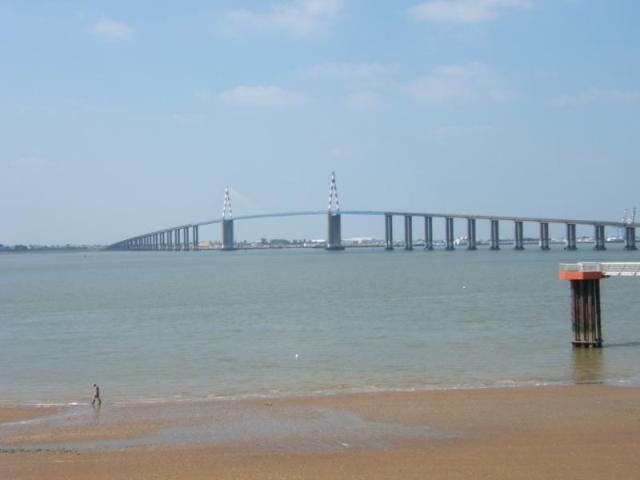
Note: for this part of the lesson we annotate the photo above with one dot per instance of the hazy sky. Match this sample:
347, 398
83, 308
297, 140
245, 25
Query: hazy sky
125, 116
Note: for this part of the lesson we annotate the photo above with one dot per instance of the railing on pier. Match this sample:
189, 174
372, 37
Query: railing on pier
608, 269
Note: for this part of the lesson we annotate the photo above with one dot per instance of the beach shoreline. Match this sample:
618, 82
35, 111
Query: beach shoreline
581, 431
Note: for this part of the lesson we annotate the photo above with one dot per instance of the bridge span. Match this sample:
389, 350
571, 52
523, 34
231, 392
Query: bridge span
186, 236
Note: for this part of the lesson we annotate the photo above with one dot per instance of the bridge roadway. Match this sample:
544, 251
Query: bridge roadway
177, 237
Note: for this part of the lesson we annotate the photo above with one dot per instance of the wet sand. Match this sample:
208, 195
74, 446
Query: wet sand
585, 431
12, 413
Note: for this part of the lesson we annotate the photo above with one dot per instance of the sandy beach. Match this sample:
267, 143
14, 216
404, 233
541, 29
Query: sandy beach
584, 431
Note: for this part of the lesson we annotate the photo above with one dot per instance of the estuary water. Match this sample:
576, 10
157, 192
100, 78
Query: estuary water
157, 326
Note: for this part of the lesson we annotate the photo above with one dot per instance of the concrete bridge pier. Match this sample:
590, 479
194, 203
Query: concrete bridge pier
544, 236
227, 234
630, 238
408, 232
599, 237
334, 233
471, 234
169, 243
185, 239
495, 235
196, 237
388, 232
449, 233
571, 237
519, 236
176, 239
428, 233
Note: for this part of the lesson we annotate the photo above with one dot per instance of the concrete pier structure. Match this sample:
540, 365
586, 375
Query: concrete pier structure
388, 232
227, 235
495, 235
428, 233
544, 236
599, 238
571, 237
586, 321
334, 235
176, 239
449, 233
586, 324
518, 243
630, 238
196, 238
185, 239
228, 243
471, 234
334, 222
408, 232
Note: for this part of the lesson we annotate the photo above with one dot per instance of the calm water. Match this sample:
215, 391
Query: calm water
164, 325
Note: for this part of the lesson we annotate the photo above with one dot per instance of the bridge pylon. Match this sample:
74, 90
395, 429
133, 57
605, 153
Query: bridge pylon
227, 223
334, 234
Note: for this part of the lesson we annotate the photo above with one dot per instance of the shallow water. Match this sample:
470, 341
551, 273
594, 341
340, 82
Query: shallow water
151, 326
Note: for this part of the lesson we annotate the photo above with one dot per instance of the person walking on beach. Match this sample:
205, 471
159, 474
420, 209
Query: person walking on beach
96, 396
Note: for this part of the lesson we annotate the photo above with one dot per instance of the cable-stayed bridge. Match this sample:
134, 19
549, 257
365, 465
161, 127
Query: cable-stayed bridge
186, 236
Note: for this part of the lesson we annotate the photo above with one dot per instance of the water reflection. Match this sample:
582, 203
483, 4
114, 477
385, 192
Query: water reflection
96, 414
587, 365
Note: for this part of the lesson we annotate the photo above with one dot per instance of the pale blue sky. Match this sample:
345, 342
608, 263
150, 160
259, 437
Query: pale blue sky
121, 117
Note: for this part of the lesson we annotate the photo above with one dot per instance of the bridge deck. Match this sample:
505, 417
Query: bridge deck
398, 214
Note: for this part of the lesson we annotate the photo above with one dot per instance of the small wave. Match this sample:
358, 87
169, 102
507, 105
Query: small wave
330, 390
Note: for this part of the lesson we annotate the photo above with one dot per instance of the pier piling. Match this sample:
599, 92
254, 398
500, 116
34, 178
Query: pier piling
388, 229
586, 322
428, 233
408, 232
